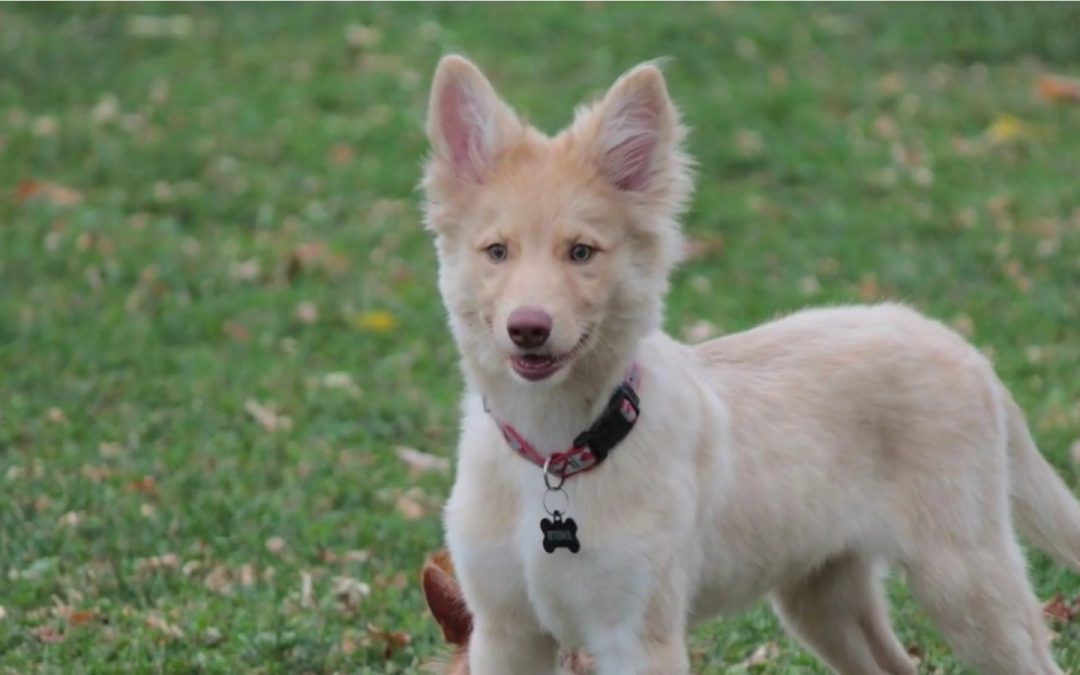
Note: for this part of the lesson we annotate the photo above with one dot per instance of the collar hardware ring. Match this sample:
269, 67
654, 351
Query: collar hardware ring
548, 474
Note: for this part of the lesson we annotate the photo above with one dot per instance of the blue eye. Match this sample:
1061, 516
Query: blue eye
581, 253
497, 252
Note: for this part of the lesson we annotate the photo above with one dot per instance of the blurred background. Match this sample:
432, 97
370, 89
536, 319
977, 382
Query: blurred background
228, 398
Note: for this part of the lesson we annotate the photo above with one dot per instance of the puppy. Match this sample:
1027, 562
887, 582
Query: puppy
799, 460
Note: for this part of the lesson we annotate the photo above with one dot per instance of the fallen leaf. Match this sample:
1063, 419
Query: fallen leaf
237, 332
80, 617
56, 416
275, 545
409, 506
307, 593
762, 655
1058, 610
704, 247
1058, 89
3, 613
147, 485
1006, 128
1074, 452
306, 312
48, 191
158, 623
341, 154
349, 592
266, 417
47, 634
376, 321
422, 462
392, 640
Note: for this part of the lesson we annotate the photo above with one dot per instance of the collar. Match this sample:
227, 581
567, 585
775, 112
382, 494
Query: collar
591, 447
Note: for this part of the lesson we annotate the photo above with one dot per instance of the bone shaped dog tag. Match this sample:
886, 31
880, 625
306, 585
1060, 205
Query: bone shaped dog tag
559, 533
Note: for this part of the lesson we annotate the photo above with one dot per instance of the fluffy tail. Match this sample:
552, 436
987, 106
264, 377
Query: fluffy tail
1045, 510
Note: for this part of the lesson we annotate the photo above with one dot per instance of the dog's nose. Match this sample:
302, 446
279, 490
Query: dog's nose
529, 327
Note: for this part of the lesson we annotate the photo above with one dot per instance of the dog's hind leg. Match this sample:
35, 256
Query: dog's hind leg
978, 594
840, 613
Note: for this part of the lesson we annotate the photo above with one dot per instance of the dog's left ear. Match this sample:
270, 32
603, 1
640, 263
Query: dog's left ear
635, 135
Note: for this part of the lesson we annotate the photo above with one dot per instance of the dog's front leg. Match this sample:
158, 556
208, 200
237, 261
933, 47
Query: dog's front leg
501, 648
623, 652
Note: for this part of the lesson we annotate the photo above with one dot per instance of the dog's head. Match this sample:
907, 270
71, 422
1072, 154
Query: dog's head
553, 249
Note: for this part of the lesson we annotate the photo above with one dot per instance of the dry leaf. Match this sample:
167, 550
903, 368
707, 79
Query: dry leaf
79, 617
409, 506
762, 655
3, 613
50, 192
307, 593
47, 634
306, 312
1058, 89
392, 640
158, 623
349, 592
1058, 610
422, 462
237, 332
275, 545
704, 247
376, 322
1006, 128
266, 417
1074, 452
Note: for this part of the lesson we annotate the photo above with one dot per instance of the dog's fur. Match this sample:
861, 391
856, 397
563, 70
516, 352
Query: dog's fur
800, 459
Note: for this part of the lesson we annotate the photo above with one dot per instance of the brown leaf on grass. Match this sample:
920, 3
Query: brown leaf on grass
48, 634
409, 506
704, 247
314, 256
48, 191
1074, 452
1057, 609
341, 154
306, 312
82, 616
392, 641
237, 332
146, 485
1057, 89
266, 417
349, 592
763, 655
421, 462
169, 630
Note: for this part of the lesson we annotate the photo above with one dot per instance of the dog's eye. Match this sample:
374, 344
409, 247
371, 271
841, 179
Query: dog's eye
581, 253
497, 252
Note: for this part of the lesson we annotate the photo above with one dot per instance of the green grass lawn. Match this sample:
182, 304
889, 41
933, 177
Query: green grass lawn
218, 316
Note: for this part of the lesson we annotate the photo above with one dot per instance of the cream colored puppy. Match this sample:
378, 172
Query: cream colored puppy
798, 460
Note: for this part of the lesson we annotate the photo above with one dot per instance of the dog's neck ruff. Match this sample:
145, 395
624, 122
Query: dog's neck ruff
591, 447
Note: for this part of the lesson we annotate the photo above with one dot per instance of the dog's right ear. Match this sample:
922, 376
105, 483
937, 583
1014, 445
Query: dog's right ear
447, 605
468, 124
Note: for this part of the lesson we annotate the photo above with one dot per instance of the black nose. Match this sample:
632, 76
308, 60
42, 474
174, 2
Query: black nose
529, 327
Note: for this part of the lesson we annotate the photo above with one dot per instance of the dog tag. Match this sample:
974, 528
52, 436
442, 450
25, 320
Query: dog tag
559, 533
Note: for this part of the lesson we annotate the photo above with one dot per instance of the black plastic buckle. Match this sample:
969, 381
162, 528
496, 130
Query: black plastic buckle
614, 424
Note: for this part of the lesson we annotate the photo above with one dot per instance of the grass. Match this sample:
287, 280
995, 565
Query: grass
208, 224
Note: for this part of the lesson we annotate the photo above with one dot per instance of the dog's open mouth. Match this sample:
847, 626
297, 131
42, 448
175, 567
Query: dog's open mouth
536, 366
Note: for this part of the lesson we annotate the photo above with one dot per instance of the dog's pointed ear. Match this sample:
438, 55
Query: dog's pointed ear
444, 599
467, 123
635, 134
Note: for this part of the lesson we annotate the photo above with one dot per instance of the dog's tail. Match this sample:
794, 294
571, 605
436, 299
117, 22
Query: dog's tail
1046, 511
